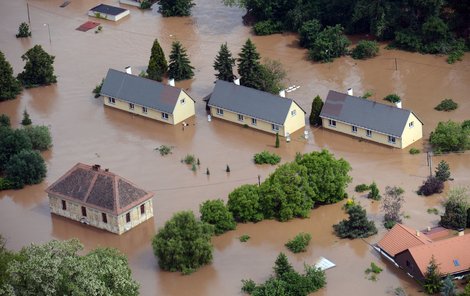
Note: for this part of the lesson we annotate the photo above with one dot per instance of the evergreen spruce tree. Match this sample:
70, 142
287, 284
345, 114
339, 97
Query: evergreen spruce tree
282, 265
224, 63
10, 87
26, 120
175, 7
443, 171
38, 69
317, 105
357, 226
249, 65
180, 67
432, 278
23, 31
158, 66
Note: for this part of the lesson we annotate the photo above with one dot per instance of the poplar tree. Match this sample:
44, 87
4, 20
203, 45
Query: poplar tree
180, 67
249, 65
10, 87
158, 66
317, 105
224, 63
38, 69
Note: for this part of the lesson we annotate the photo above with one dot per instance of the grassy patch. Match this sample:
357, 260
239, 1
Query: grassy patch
415, 151
164, 150
433, 211
373, 271
244, 238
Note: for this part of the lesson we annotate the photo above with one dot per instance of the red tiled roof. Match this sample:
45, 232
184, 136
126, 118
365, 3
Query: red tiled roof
99, 189
401, 238
452, 255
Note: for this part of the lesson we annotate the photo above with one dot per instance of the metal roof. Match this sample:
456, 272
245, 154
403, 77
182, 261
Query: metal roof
108, 9
142, 91
365, 113
251, 102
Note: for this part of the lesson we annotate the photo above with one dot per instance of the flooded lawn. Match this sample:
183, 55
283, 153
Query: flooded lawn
84, 131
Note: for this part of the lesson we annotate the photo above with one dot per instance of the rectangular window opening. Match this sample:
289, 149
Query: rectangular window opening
142, 209
254, 121
369, 133
411, 124
64, 205
293, 112
332, 123
104, 217
83, 211
131, 106
111, 100
165, 116
392, 139
144, 110
240, 117
354, 129
275, 127
220, 111
128, 217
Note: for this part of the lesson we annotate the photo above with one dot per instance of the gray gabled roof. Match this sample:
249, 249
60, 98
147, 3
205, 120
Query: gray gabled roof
251, 102
365, 113
142, 91
108, 9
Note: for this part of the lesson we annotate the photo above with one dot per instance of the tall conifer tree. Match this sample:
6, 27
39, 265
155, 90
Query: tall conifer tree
158, 66
224, 63
180, 67
249, 65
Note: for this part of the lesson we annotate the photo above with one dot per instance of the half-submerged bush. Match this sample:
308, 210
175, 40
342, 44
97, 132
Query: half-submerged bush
267, 27
365, 49
216, 213
393, 98
374, 192
447, 105
267, 157
414, 151
299, 243
361, 188
430, 186
357, 226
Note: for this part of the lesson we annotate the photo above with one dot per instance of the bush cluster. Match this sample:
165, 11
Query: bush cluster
430, 186
365, 49
374, 192
361, 188
447, 105
215, 212
451, 136
414, 151
457, 209
267, 27
299, 243
267, 157
357, 226
392, 98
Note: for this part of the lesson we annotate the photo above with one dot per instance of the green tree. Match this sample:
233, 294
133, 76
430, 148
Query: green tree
391, 205
23, 31
374, 192
282, 265
244, 203
286, 193
271, 75
448, 287
5, 121
10, 87
317, 105
175, 7
365, 49
25, 168
249, 65
308, 33
330, 43
224, 63
180, 67
183, 244
456, 207
11, 143
450, 136
40, 137
357, 226
299, 243
26, 120
432, 278
216, 213
158, 66
277, 144
327, 176
443, 171
38, 69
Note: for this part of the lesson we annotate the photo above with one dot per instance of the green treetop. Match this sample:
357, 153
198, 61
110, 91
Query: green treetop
224, 63
180, 67
158, 66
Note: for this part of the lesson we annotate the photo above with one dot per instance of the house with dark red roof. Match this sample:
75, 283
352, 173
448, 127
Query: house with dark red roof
412, 250
99, 198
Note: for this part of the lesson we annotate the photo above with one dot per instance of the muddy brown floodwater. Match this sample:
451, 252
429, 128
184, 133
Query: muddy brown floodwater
85, 131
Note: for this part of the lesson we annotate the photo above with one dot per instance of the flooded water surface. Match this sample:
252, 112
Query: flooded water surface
84, 131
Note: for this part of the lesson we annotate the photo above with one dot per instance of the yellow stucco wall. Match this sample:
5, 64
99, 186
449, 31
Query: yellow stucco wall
362, 133
412, 134
183, 111
260, 124
115, 224
296, 122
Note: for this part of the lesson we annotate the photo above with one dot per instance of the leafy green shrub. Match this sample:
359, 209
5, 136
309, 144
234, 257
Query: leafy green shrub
26, 119
443, 171
276, 144
374, 192
455, 55
97, 89
447, 105
244, 238
450, 136
248, 286
39, 136
414, 151
23, 31
393, 98
361, 188
456, 206
6, 184
244, 204
164, 150
432, 278
189, 159
145, 4
308, 33
216, 213
367, 94
25, 168
388, 224
466, 125
183, 244
299, 243
430, 186
357, 226
349, 203
5, 121
330, 43
433, 211
373, 271
266, 157
365, 49
267, 27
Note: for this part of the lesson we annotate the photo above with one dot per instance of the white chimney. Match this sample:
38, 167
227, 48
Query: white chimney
417, 233
350, 92
461, 233
171, 82
398, 104
282, 93
128, 70
429, 228
237, 81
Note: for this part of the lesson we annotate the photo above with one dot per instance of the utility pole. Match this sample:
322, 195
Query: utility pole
429, 158
29, 19
259, 180
396, 64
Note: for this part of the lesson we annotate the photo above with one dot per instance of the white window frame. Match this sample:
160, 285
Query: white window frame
392, 140
275, 127
220, 111
111, 100
182, 101
354, 129
369, 133
165, 116
131, 106
241, 118
144, 110
254, 121
411, 124
293, 113
332, 122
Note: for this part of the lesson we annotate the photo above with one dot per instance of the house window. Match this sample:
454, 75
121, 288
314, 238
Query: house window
275, 127
293, 112
111, 100
354, 129
408, 264
332, 123
144, 110
240, 117
220, 111
411, 124
369, 133
182, 101
128, 217
392, 140
131, 106
165, 116
83, 211
64, 205
254, 121
104, 217
142, 209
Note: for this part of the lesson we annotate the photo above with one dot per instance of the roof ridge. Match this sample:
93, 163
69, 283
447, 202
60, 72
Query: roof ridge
371, 101
92, 184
